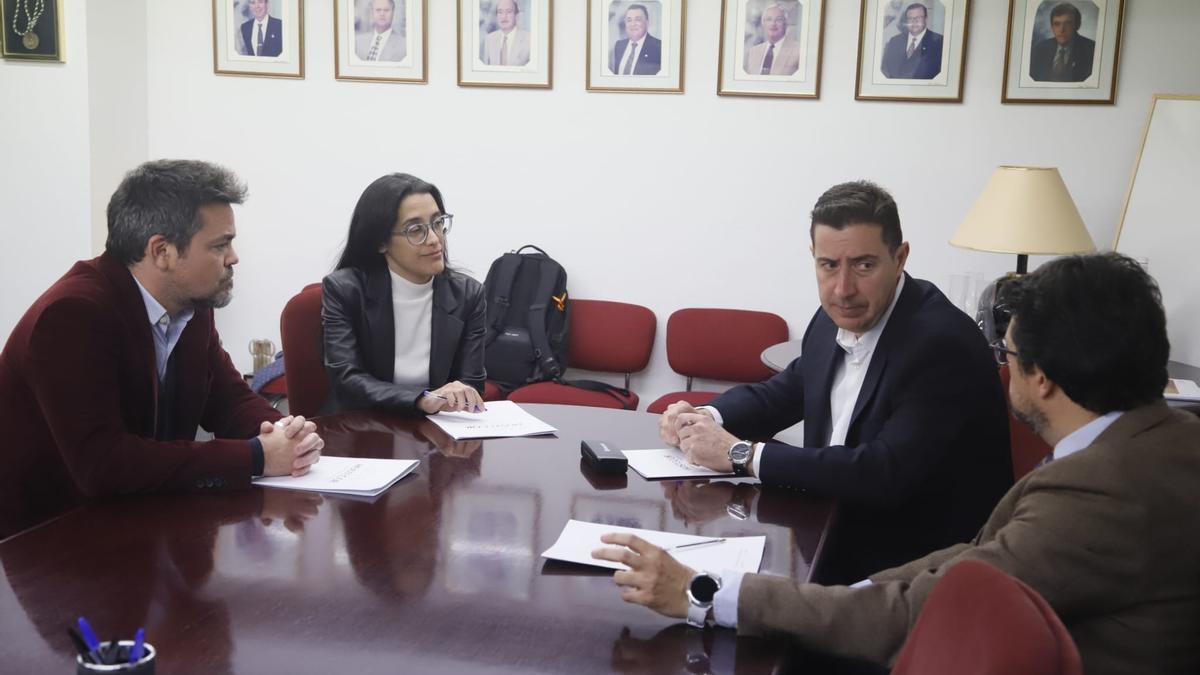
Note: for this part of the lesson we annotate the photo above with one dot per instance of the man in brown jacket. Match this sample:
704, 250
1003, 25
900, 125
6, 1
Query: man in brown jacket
1106, 531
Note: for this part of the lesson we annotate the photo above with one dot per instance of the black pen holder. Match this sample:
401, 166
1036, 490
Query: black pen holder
144, 666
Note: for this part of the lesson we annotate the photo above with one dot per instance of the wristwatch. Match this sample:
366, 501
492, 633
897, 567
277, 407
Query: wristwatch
739, 457
701, 590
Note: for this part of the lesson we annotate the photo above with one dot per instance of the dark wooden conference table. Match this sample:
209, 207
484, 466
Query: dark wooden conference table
440, 574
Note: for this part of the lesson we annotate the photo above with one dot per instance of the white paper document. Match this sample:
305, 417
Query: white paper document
667, 463
502, 419
362, 477
579, 539
1181, 390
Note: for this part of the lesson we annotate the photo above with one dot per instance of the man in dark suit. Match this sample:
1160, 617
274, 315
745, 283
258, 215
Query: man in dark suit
1067, 56
107, 376
262, 35
905, 421
639, 53
916, 53
1105, 531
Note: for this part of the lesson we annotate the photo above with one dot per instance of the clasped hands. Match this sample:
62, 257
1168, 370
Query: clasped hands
290, 446
698, 435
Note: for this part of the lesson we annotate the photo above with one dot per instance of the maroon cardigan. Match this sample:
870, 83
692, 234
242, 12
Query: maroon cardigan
78, 397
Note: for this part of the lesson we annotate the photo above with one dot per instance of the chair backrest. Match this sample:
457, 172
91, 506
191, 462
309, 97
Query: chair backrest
1027, 447
303, 360
980, 621
614, 337
723, 344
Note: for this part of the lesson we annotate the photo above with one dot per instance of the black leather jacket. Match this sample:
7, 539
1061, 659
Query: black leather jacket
359, 335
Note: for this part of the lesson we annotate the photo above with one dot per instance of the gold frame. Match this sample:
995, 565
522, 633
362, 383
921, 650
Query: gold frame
817, 69
299, 75
511, 85
60, 52
1137, 165
1116, 64
962, 61
337, 60
639, 90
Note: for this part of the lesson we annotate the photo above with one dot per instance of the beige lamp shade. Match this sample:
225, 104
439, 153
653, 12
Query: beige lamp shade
1024, 210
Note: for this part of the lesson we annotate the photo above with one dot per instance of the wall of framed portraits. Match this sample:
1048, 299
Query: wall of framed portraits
664, 199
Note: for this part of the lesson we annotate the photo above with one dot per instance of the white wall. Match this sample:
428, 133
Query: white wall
117, 105
44, 191
664, 200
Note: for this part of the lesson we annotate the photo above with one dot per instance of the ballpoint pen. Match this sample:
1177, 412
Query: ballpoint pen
80, 643
475, 408
89, 637
135, 652
703, 542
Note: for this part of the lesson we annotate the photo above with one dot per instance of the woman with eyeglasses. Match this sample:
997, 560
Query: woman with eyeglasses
403, 331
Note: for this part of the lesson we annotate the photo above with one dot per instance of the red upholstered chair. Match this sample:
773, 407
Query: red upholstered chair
718, 344
1028, 449
614, 337
303, 361
980, 621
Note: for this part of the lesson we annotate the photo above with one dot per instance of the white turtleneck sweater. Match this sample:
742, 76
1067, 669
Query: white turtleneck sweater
412, 313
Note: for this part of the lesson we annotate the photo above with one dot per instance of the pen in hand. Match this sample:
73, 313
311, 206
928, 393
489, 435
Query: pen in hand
475, 408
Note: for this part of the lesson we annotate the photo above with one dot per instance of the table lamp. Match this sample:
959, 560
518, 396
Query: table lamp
1024, 210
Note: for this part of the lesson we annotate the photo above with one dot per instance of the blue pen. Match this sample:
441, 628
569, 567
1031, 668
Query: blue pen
135, 654
89, 637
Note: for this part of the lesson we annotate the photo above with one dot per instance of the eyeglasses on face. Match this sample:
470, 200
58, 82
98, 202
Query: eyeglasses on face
418, 233
1001, 351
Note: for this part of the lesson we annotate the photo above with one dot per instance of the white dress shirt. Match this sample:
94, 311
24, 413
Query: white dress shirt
631, 53
258, 25
377, 43
412, 314
163, 327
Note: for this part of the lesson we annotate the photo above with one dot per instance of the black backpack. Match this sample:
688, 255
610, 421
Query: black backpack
528, 317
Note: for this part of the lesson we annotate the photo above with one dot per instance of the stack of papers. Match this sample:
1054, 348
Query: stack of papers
365, 477
502, 419
667, 463
579, 539
1181, 390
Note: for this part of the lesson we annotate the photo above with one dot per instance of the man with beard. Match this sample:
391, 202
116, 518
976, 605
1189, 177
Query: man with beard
107, 377
1105, 530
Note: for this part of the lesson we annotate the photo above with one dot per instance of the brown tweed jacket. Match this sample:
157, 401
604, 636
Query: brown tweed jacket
1109, 535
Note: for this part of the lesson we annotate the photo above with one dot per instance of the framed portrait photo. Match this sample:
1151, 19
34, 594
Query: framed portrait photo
32, 30
635, 45
1062, 51
912, 50
505, 43
258, 37
379, 40
771, 48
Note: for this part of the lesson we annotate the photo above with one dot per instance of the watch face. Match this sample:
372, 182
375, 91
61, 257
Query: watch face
740, 452
703, 588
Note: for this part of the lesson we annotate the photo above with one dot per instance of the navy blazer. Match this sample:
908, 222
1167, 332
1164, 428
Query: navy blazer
925, 62
272, 41
1079, 68
360, 338
649, 60
927, 453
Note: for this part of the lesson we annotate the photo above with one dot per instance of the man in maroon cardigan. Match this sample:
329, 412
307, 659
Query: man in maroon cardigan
106, 378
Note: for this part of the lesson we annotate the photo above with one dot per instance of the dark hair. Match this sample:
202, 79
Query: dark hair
375, 215
859, 203
645, 12
1067, 8
916, 5
1095, 325
164, 197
